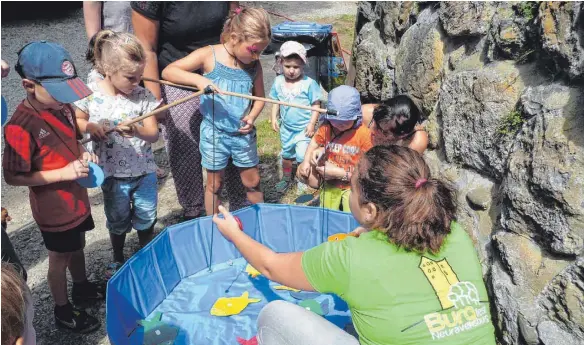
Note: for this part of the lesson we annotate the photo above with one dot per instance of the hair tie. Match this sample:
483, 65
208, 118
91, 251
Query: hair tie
420, 182
238, 10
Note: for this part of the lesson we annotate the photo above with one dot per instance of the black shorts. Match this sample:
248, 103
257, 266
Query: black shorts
70, 240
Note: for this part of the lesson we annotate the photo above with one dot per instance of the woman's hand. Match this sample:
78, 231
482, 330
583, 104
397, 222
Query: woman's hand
317, 156
227, 225
358, 231
304, 169
331, 172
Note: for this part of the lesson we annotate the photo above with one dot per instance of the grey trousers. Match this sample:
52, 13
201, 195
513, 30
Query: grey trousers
285, 323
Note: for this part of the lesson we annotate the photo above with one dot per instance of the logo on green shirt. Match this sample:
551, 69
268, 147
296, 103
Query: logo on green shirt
460, 302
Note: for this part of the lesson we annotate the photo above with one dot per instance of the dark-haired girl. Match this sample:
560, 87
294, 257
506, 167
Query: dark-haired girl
411, 277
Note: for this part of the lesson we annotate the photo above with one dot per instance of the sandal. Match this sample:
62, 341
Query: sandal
161, 173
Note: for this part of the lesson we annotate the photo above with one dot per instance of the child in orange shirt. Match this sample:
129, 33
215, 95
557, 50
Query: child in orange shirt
344, 139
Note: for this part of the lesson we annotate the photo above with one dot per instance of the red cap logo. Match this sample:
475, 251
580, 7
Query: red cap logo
67, 68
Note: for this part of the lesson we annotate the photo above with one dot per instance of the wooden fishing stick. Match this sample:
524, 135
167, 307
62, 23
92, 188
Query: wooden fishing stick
253, 98
157, 111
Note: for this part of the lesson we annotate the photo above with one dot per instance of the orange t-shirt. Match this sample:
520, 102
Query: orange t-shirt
345, 149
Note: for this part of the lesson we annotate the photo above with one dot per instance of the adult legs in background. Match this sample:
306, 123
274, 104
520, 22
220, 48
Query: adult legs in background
181, 132
285, 323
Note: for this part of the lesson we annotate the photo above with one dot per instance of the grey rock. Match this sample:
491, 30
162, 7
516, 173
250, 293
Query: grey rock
562, 302
479, 198
366, 12
395, 19
506, 305
512, 35
45, 296
466, 18
562, 36
544, 187
473, 106
551, 334
374, 78
419, 61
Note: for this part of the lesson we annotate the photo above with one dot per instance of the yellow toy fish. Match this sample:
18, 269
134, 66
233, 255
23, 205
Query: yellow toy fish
287, 288
252, 271
339, 237
226, 306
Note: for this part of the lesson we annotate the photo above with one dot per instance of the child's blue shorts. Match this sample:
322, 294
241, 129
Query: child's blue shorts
243, 149
130, 203
294, 144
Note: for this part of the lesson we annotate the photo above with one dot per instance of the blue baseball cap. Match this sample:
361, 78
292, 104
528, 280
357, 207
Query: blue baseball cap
346, 101
50, 65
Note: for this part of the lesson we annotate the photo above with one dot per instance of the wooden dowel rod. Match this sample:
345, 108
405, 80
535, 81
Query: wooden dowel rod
253, 98
157, 111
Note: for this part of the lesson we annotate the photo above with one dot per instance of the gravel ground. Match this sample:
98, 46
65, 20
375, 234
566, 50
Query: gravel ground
64, 24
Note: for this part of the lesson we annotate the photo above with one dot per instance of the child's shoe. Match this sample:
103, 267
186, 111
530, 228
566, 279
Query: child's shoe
112, 269
83, 293
74, 319
283, 185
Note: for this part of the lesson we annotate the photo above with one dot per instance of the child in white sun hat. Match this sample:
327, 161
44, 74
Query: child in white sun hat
296, 126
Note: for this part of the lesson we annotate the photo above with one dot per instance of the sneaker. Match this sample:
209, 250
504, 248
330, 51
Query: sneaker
112, 269
283, 185
88, 292
80, 322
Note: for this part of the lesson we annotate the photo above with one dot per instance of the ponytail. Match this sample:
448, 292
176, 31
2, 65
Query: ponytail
415, 211
114, 51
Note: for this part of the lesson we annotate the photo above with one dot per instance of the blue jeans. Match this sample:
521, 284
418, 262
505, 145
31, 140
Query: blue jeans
285, 323
130, 202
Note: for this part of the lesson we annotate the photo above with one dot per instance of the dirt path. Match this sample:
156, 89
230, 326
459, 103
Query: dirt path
23, 232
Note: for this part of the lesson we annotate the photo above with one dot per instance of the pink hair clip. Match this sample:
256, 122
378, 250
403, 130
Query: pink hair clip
420, 182
238, 10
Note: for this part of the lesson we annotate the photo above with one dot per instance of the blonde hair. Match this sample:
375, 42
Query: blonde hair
116, 51
15, 299
248, 24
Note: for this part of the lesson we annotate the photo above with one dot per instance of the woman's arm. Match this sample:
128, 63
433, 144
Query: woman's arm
92, 17
146, 30
367, 110
420, 141
285, 269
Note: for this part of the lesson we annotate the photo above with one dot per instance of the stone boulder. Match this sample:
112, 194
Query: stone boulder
474, 105
544, 187
562, 36
395, 18
514, 34
419, 61
375, 70
466, 18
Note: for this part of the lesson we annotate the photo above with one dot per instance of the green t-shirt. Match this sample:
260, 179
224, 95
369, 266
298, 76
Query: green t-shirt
400, 297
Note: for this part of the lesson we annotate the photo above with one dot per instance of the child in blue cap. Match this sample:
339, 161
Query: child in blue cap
344, 139
42, 152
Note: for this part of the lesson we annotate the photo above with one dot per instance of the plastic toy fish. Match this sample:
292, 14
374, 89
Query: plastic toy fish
304, 294
251, 341
315, 307
226, 306
286, 288
157, 332
339, 237
249, 269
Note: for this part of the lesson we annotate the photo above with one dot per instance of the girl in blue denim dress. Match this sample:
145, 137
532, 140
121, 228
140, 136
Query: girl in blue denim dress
227, 130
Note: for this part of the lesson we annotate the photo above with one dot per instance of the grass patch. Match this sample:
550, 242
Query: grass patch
343, 25
527, 9
511, 123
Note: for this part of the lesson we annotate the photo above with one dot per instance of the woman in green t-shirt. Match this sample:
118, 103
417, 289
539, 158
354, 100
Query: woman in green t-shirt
410, 276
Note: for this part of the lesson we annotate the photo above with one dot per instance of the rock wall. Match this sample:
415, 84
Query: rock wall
502, 85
